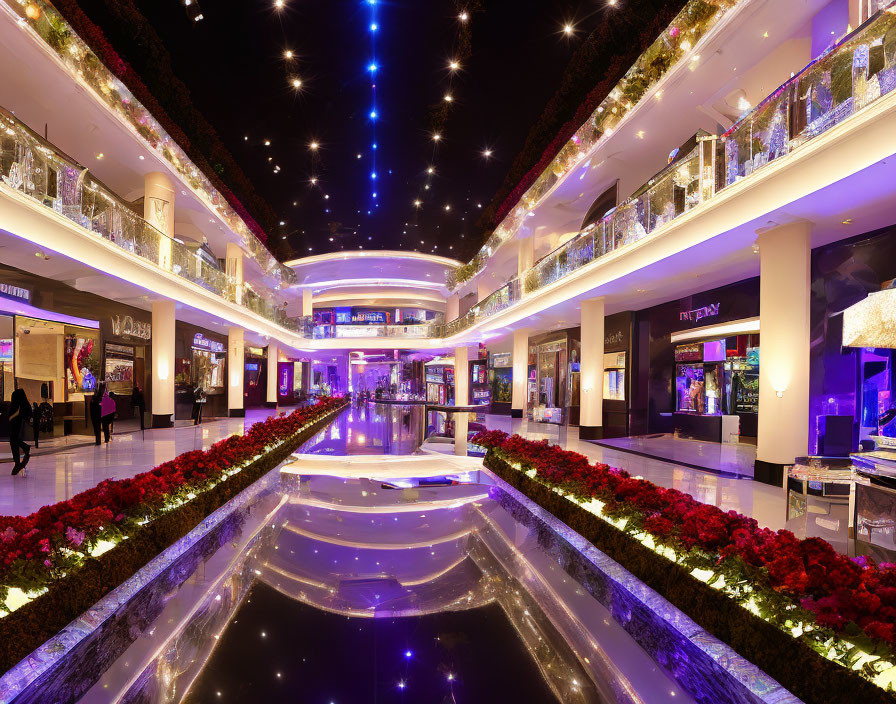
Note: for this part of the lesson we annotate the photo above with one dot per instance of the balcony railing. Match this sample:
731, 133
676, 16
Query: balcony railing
31, 165
848, 77
322, 331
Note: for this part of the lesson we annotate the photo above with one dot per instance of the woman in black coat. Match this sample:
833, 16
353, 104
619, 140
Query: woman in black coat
19, 414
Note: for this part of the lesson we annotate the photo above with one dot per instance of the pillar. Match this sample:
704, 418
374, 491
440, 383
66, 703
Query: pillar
483, 291
784, 280
158, 211
307, 305
461, 430
520, 373
162, 389
452, 307
236, 362
235, 270
462, 376
273, 378
592, 370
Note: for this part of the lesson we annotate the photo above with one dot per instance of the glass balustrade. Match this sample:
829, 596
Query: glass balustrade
30, 165
852, 74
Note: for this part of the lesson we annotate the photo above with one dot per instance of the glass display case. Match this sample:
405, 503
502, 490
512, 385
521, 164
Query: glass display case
614, 376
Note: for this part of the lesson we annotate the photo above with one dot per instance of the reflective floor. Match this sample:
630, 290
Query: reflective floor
372, 429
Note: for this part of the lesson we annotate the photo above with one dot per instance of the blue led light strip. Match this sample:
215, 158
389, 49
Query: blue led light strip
373, 69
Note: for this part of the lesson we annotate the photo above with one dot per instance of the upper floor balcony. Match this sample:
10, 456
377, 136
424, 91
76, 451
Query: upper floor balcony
32, 167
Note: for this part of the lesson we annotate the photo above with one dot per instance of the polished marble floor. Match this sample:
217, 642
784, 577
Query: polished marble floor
728, 458
59, 475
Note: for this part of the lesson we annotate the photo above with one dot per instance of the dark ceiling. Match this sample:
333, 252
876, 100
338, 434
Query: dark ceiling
512, 56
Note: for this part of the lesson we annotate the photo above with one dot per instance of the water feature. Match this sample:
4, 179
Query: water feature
392, 577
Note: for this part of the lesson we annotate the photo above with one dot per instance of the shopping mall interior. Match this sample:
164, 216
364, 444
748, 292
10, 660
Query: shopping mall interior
388, 351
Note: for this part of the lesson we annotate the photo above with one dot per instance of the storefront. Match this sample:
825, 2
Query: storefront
617, 381
480, 389
553, 384
702, 358
500, 377
852, 377
200, 360
440, 381
58, 344
255, 377
292, 381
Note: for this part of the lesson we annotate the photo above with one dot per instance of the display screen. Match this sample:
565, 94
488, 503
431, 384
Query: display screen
714, 351
689, 353
6, 347
614, 384
118, 370
690, 389
82, 364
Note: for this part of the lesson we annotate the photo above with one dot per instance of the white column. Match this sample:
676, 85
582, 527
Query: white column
461, 376
592, 370
158, 211
784, 281
461, 428
236, 362
452, 307
235, 269
520, 373
307, 306
162, 393
273, 358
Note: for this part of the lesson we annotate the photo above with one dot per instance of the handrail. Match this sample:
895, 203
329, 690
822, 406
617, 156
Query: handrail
850, 75
33, 166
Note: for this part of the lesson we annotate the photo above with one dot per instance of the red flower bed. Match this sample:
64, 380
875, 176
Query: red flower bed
838, 591
42, 547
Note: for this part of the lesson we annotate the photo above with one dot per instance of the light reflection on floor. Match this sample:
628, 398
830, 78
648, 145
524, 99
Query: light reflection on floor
371, 429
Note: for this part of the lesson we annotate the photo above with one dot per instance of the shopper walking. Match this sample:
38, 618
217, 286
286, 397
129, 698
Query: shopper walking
20, 413
138, 401
199, 399
96, 414
107, 413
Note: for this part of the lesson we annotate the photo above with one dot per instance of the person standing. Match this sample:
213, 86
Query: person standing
138, 401
199, 400
19, 413
107, 413
95, 410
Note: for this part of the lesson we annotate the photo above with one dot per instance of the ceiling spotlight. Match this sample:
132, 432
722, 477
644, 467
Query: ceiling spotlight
448, 97
267, 142
313, 180
418, 203
454, 65
314, 146
430, 170
436, 137
568, 29
279, 4
288, 54
296, 83
486, 153
463, 16
447, 207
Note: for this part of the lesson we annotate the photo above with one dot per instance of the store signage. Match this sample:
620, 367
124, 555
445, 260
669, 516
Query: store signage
614, 338
202, 342
126, 326
15, 293
692, 316
376, 317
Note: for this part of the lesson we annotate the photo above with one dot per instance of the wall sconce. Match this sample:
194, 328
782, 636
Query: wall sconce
162, 370
779, 394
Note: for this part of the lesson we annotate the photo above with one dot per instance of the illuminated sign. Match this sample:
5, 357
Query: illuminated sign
15, 293
203, 343
126, 326
692, 316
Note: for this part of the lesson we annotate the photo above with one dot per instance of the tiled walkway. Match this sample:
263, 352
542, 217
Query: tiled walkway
61, 474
